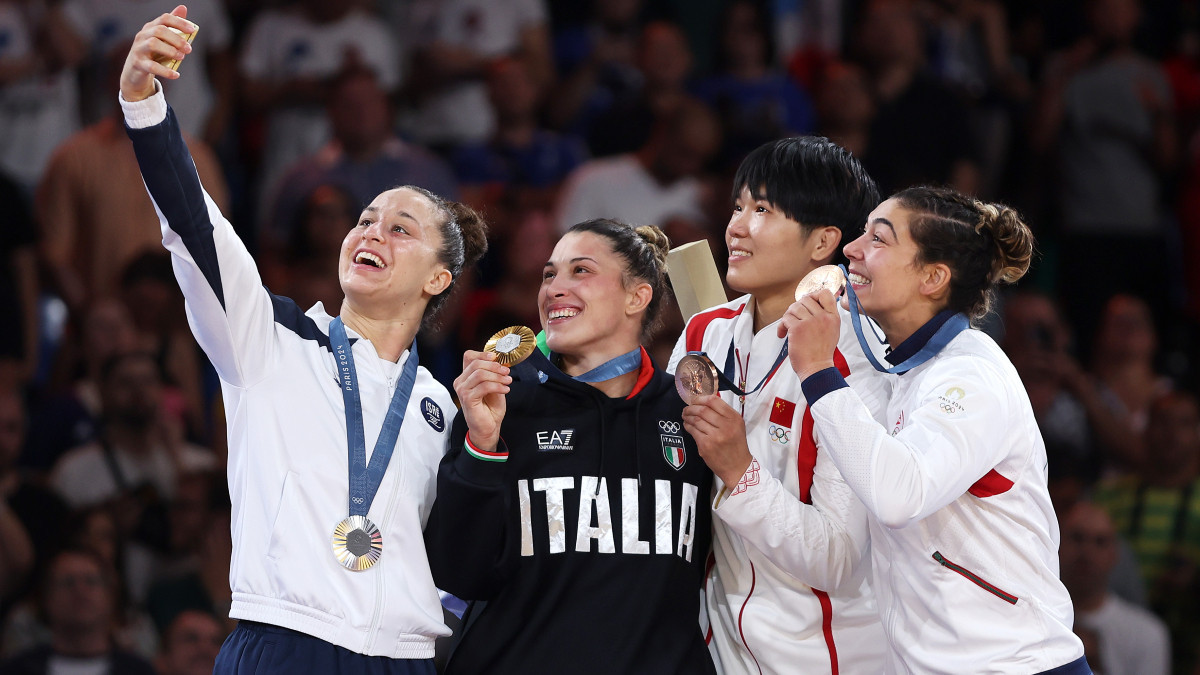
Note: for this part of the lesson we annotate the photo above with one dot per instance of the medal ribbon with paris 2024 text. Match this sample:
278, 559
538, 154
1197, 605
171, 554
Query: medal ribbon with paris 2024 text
942, 337
365, 478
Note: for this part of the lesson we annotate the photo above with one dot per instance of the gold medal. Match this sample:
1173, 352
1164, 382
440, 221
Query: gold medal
511, 345
695, 376
825, 276
173, 64
357, 543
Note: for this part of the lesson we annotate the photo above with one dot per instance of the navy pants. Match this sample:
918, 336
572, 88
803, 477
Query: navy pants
261, 649
1077, 667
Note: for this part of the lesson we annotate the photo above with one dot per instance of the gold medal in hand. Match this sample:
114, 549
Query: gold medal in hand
511, 345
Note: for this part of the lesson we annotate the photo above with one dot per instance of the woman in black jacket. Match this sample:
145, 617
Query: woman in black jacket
572, 501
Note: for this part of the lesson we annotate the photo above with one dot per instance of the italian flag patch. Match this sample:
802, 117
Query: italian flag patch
673, 450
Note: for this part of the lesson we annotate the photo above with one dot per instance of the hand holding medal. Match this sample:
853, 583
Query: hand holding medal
511, 345
812, 324
696, 375
483, 384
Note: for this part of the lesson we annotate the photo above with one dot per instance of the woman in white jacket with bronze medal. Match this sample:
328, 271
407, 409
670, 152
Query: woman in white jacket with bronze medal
305, 394
964, 541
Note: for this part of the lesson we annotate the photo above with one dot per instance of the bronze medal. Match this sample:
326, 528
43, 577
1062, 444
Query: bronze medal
825, 276
695, 376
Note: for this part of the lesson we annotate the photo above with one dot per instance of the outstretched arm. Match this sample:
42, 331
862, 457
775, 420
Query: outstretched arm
230, 313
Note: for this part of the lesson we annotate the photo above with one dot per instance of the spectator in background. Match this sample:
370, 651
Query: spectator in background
845, 106
92, 208
1072, 414
1105, 114
78, 599
39, 99
597, 63
755, 101
920, 133
305, 267
969, 51
1158, 512
654, 185
134, 460
17, 556
525, 250
190, 644
205, 586
155, 304
1132, 641
18, 283
289, 59
204, 98
67, 414
455, 42
31, 516
1126, 343
664, 61
364, 156
522, 165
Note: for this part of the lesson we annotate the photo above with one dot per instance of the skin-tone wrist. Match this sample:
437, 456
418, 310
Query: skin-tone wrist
487, 443
813, 368
733, 474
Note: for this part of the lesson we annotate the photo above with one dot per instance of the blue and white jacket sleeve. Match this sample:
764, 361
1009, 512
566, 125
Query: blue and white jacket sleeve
229, 311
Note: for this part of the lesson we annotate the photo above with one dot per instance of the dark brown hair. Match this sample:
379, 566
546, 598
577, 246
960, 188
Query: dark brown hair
983, 244
644, 250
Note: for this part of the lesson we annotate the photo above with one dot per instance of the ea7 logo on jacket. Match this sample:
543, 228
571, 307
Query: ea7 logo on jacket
558, 440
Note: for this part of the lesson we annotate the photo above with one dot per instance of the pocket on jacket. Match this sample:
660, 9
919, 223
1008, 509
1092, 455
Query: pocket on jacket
975, 579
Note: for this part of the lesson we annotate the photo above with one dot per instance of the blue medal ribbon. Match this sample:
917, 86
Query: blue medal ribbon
942, 337
365, 479
614, 367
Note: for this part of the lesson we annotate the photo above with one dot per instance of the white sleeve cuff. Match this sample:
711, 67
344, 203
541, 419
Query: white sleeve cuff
146, 112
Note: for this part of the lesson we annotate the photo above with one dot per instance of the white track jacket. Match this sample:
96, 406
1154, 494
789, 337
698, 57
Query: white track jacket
288, 475
791, 511
964, 541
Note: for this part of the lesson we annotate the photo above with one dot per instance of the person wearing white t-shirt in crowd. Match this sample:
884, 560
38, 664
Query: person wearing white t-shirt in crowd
454, 43
656, 185
1131, 640
204, 99
289, 58
39, 98
133, 450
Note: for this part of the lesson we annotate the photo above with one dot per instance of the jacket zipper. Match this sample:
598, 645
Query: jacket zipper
397, 465
975, 579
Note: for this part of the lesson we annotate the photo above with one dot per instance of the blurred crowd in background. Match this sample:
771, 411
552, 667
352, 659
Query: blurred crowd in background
1084, 114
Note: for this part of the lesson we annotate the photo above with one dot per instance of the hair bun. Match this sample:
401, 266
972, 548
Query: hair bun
1014, 241
474, 232
658, 241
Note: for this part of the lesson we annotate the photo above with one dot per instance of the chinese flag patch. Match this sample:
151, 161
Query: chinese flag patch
782, 412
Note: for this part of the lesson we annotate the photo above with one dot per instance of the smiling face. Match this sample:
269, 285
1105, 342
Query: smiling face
892, 287
585, 308
389, 259
769, 253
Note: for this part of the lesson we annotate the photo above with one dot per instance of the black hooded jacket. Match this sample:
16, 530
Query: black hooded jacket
588, 543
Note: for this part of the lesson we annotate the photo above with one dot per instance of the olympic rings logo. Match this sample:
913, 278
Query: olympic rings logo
668, 427
780, 434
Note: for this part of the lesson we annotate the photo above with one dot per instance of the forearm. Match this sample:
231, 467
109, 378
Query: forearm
821, 545
467, 533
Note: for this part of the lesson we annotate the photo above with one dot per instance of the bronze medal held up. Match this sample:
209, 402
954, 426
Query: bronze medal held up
695, 376
825, 276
